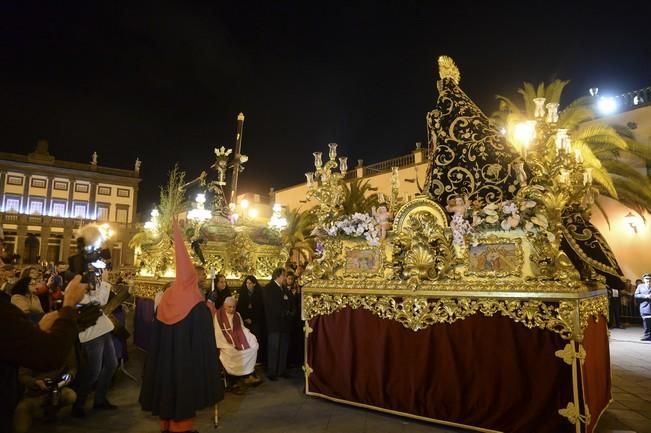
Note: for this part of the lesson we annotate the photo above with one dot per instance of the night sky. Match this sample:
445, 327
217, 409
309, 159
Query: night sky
165, 80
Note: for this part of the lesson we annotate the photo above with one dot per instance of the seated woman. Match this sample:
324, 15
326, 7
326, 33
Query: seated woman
24, 296
238, 347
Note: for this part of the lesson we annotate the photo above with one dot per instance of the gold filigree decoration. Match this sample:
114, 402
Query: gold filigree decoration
146, 289
216, 262
326, 266
265, 265
569, 355
418, 312
448, 69
573, 415
593, 308
430, 287
469, 156
418, 205
422, 250
307, 370
242, 255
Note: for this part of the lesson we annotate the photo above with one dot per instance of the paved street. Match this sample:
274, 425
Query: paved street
276, 407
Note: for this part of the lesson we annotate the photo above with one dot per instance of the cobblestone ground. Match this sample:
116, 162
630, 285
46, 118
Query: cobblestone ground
276, 407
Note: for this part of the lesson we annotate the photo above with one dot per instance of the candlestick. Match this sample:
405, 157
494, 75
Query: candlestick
333, 151
317, 160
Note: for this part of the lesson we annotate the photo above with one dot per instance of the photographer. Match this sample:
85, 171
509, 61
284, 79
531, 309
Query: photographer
97, 342
55, 284
42, 347
45, 393
95, 327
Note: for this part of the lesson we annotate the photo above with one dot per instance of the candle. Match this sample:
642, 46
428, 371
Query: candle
343, 164
552, 112
333, 151
540, 107
317, 159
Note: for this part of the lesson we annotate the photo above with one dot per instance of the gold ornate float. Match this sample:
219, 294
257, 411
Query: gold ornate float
502, 231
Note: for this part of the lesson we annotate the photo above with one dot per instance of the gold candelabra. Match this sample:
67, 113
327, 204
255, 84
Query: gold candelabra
558, 181
325, 184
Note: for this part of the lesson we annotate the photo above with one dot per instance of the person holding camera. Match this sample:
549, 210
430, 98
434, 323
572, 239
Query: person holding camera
41, 347
45, 393
277, 311
98, 344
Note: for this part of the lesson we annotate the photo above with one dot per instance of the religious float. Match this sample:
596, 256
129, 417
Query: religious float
482, 305
223, 238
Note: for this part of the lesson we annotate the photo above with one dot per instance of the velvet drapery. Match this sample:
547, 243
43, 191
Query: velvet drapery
484, 372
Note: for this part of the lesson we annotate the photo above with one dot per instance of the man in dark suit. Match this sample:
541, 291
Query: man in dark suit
277, 315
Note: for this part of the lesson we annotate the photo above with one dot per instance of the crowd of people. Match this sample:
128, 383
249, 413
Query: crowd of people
255, 332
208, 339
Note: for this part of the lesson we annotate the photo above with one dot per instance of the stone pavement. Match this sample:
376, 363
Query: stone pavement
281, 407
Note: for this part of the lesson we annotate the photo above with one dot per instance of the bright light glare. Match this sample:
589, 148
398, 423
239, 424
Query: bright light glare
524, 133
253, 213
277, 207
244, 204
607, 105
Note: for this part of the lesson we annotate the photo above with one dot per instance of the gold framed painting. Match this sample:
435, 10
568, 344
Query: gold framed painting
495, 257
363, 262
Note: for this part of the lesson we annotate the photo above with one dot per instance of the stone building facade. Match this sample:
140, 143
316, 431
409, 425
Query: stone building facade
44, 200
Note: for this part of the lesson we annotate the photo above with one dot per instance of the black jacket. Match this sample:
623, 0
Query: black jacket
251, 306
277, 308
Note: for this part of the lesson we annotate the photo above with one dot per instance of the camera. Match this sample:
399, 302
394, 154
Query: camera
52, 402
91, 258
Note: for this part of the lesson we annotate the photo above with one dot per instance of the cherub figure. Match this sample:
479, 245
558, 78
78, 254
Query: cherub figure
382, 216
458, 207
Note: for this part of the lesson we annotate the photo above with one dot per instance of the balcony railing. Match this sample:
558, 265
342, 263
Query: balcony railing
635, 99
384, 166
23, 219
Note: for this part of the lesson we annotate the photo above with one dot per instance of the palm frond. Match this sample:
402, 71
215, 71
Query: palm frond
554, 90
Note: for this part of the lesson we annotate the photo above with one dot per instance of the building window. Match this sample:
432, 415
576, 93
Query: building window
79, 210
14, 180
122, 192
60, 186
122, 215
38, 182
12, 204
58, 208
35, 207
102, 212
82, 187
103, 190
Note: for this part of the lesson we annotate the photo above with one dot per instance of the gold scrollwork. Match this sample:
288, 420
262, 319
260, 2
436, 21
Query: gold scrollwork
418, 312
573, 415
568, 354
592, 308
146, 289
425, 288
419, 204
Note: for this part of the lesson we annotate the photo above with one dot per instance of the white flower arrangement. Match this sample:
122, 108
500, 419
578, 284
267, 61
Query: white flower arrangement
511, 215
356, 225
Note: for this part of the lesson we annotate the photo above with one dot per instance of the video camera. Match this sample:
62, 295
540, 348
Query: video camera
91, 258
